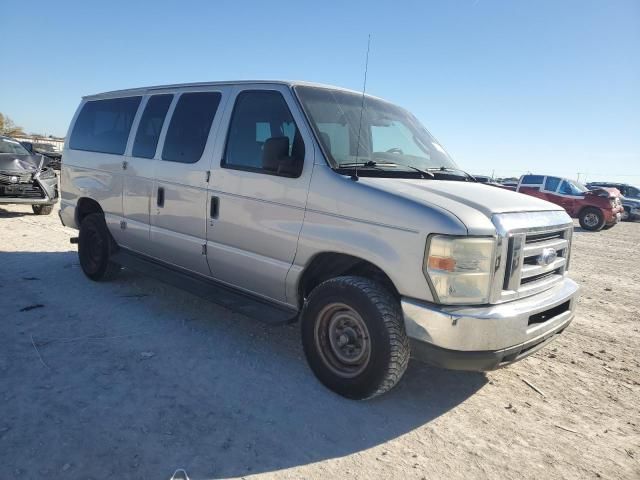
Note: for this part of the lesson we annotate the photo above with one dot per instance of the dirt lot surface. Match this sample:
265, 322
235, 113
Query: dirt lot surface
134, 379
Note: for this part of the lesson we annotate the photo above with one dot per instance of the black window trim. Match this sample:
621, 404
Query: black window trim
165, 125
177, 95
223, 160
126, 145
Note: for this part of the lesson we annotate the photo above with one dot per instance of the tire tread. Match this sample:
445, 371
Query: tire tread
393, 321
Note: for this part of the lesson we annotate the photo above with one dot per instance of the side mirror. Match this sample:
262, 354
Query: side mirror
276, 158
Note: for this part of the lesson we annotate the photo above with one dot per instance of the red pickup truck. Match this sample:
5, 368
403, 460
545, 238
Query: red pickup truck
596, 209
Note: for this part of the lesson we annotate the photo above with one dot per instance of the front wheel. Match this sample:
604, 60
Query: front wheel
42, 209
591, 219
354, 337
95, 246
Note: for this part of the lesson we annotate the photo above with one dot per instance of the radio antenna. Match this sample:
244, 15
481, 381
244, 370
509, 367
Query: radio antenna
364, 90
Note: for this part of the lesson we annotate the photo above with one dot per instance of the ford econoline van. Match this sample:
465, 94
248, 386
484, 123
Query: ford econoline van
291, 201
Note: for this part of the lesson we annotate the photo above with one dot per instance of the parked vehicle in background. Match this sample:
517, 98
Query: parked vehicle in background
55, 158
595, 209
630, 197
483, 179
262, 195
26, 178
486, 180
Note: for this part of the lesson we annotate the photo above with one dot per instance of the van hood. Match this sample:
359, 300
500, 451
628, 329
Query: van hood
465, 200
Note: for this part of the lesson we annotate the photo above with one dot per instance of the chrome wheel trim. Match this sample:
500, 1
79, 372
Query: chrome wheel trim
591, 219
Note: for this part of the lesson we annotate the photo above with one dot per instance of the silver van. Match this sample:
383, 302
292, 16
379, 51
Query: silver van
295, 201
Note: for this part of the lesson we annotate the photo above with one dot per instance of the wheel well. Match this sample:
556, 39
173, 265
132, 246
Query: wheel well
86, 206
330, 264
588, 207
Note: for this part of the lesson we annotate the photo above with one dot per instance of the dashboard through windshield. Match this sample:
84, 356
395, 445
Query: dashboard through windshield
371, 133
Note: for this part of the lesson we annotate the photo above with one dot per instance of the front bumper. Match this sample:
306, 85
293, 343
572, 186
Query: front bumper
488, 337
48, 186
611, 217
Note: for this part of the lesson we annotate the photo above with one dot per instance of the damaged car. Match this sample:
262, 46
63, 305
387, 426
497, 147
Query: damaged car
26, 178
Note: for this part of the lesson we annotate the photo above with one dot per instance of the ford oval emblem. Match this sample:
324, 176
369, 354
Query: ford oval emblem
547, 257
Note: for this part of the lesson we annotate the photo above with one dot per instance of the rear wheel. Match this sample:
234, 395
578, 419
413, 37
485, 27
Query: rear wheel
591, 219
42, 209
95, 246
626, 214
354, 338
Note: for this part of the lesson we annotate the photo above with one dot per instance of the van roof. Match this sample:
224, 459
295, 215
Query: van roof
146, 90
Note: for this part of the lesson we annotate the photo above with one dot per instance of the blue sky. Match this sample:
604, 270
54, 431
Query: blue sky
511, 86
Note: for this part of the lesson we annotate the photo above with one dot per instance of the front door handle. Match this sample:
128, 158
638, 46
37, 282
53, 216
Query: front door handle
160, 198
215, 207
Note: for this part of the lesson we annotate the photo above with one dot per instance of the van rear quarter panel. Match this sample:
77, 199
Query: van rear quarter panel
97, 176
94, 175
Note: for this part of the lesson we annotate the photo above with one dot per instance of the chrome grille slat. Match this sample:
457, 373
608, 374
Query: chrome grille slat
528, 236
533, 270
533, 249
5, 177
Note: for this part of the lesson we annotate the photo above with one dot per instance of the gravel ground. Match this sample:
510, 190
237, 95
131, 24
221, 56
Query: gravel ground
134, 379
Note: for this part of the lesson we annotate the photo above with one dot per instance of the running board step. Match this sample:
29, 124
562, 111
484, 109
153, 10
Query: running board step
228, 297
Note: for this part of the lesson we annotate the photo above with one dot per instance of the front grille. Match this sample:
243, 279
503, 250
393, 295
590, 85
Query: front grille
534, 253
29, 190
5, 178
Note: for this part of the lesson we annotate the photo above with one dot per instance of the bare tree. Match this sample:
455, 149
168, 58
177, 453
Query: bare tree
8, 127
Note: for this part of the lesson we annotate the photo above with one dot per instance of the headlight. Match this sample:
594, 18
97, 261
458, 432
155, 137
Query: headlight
460, 268
47, 173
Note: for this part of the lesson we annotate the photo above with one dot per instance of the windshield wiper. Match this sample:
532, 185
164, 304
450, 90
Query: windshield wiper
368, 163
450, 169
373, 164
424, 173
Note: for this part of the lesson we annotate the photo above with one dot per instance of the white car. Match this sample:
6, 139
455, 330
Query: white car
296, 201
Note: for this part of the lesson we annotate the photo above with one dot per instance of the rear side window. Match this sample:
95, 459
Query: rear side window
189, 128
263, 136
150, 126
532, 179
104, 125
551, 184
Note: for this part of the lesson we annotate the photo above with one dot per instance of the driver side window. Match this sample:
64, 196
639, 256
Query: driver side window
263, 136
566, 189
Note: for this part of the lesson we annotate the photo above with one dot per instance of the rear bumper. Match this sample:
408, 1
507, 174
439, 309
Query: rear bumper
484, 338
67, 214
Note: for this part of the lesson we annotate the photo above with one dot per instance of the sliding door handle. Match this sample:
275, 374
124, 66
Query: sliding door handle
160, 197
215, 207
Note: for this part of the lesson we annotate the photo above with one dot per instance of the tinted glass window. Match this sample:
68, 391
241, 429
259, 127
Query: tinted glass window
189, 128
150, 126
571, 188
104, 125
551, 184
263, 136
532, 179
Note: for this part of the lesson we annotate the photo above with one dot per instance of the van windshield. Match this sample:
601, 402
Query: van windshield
388, 135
